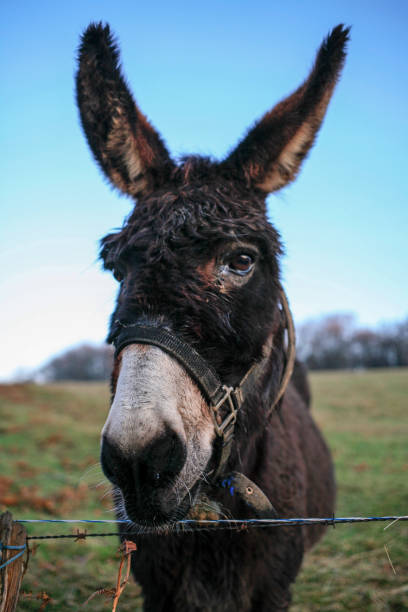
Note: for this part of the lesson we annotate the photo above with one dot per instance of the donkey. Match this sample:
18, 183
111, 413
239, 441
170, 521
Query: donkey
203, 347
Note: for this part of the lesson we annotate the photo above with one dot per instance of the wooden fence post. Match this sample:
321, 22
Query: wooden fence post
11, 534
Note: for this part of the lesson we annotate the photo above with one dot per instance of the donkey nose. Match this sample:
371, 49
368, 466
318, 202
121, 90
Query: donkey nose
155, 465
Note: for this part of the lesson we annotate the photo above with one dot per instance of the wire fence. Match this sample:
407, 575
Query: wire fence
193, 525
187, 526
179, 527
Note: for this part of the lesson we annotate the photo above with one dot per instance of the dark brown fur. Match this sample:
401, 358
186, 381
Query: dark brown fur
187, 217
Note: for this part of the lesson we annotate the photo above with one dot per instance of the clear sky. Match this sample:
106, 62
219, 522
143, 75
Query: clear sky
202, 72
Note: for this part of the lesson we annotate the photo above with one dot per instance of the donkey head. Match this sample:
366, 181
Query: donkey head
197, 257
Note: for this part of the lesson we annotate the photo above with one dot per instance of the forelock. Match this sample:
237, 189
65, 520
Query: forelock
197, 209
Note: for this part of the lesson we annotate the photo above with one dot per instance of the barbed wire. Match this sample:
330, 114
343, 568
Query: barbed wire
193, 525
186, 526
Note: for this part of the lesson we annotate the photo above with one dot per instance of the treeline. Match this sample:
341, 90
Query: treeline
337, 342
328, 343
83, 362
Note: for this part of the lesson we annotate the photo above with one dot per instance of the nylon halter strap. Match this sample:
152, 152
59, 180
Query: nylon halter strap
223, 401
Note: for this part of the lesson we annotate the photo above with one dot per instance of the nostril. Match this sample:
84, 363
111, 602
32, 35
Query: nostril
162, 460
114, 466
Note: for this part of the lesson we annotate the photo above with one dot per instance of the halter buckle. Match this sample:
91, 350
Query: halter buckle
234, 399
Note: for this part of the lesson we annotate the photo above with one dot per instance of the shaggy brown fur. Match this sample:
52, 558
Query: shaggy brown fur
188, 220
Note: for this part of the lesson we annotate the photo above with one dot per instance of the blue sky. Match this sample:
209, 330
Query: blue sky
202, 72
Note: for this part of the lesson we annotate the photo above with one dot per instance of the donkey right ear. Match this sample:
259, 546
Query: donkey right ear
125, 145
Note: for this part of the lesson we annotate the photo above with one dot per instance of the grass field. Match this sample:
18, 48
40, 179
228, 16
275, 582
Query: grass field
49, 468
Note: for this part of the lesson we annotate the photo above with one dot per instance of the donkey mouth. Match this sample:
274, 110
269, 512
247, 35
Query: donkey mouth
158, 511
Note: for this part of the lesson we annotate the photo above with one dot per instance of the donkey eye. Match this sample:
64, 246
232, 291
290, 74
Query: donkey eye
241, 263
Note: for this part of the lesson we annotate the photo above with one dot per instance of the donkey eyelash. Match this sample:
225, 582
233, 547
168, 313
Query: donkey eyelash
238, 249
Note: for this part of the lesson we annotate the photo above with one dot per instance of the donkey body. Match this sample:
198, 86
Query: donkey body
198, 259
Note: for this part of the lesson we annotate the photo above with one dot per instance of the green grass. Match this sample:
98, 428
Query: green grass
49, 468
365, 419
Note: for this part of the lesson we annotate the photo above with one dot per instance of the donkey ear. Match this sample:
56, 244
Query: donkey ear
271, 154
127, 148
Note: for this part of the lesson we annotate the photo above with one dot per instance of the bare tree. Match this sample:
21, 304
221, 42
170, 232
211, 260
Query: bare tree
323, 343
84, 362
334, 342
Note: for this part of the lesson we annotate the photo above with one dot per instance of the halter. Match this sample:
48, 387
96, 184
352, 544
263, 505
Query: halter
224, 401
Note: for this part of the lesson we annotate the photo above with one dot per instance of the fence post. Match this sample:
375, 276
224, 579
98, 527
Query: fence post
11, 534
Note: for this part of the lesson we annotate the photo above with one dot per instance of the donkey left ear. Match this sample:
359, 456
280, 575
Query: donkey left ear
271, 154
125, 145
